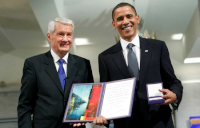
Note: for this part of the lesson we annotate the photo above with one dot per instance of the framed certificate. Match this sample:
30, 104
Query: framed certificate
112, 100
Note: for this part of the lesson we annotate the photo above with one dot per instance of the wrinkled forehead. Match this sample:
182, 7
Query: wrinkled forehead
62, 26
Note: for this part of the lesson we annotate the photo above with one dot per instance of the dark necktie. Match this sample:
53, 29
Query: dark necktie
61, 73
132, 61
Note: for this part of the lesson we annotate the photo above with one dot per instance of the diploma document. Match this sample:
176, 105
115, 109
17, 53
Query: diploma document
112, 100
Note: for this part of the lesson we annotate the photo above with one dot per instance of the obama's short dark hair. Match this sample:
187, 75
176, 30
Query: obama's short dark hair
122, 5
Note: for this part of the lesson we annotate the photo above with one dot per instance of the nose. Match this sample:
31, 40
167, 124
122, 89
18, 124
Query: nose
125, 21
65, 38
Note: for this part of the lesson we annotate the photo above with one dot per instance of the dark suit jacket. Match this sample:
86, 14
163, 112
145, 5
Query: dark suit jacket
41, 91
155, 66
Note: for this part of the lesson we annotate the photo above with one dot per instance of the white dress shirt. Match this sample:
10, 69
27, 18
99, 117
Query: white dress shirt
56, 62
136, 48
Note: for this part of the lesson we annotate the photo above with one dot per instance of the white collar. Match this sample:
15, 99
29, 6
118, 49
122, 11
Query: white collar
135, 41
56, 57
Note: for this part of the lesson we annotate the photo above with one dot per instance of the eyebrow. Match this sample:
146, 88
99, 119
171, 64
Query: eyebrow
126, 15
119, 17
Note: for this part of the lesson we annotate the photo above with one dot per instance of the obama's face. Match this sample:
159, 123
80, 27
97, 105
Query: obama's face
125, 21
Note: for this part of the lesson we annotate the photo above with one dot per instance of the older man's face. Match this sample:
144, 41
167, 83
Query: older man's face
61, 39
125, 21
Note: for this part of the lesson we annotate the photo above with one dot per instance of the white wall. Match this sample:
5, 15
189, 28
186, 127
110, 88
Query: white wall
190, 105
11, 64
8, 102
91, 52
192, 33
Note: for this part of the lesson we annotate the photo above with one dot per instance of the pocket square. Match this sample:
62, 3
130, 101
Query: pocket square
146, 50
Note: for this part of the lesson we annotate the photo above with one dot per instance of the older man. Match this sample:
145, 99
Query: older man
47, 79
146, 59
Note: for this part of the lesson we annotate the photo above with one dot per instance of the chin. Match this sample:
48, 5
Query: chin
129, 35
64, 50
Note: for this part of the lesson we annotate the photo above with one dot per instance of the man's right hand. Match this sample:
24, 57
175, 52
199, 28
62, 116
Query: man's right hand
77, 124
100, 121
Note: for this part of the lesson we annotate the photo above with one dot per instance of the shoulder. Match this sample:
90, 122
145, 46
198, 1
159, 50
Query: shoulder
34, 61
36, 58
152, 41
78, 58
80, 61
111, 49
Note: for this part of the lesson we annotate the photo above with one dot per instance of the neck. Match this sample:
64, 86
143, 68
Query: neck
61, 55
129, 39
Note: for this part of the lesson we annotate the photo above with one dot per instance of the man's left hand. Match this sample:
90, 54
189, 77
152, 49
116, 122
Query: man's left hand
169, 96
77, 124
101, 120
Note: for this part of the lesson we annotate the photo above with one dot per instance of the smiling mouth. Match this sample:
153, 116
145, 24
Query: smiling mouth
127, 28
64, 44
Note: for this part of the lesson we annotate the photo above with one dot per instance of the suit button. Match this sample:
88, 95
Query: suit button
64, 102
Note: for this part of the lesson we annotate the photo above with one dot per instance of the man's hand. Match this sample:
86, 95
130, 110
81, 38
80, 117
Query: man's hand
169, 96
100, 121
77, 124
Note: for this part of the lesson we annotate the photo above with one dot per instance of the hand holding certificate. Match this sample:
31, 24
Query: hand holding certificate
89, 100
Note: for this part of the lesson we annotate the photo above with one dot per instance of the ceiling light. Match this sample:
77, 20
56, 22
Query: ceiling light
177, 36
192, 60
190, 81
81, 41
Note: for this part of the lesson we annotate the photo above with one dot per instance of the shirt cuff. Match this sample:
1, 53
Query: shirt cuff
174, 105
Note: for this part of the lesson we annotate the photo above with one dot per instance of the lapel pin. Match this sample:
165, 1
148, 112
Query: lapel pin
146, 50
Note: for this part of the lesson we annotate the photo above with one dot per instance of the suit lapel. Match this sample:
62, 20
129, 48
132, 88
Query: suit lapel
118, 58
71, 72
145, 57
51, 70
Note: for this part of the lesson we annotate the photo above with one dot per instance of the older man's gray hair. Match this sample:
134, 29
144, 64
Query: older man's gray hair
51, 25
